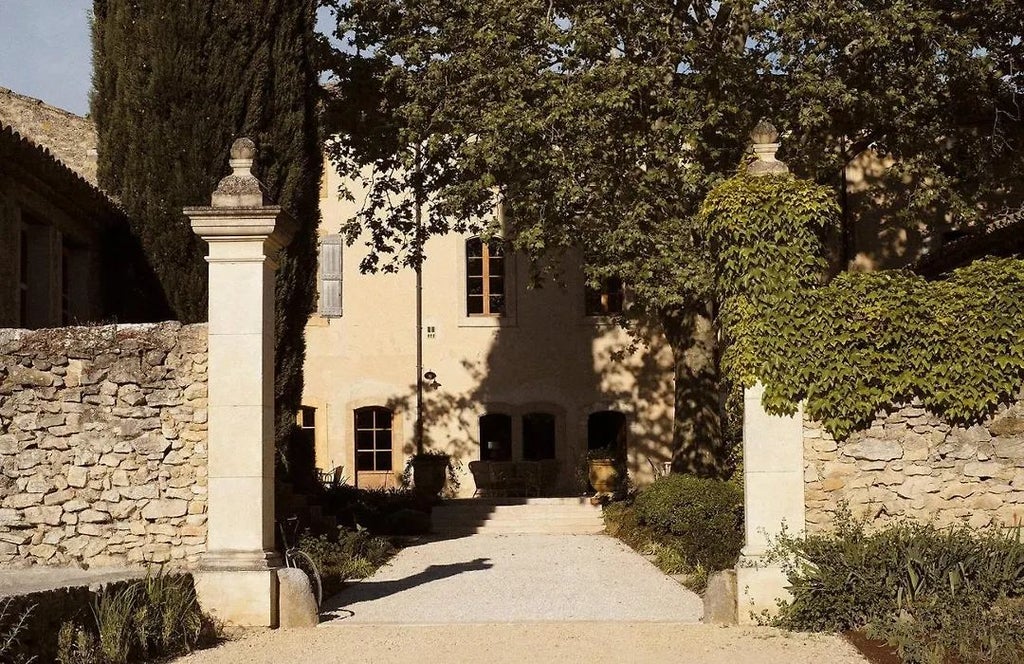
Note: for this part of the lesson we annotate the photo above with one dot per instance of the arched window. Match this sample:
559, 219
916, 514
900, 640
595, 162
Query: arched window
496, 437
485, 278
373, 439
606, 429
538, 436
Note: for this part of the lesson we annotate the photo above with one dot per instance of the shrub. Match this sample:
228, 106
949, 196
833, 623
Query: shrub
701, 518
12, 624
351, 554
158, 616
381, 511
934, 594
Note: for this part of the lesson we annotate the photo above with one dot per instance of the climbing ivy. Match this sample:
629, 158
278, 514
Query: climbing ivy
865, 342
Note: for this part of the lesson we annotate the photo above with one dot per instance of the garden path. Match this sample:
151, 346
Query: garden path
522, 598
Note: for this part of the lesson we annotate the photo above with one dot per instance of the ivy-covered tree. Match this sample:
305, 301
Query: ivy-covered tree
602, 124
174, 83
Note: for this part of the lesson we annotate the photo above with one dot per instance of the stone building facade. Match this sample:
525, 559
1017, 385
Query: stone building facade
912, 464
511, 372
66, 253
103, 445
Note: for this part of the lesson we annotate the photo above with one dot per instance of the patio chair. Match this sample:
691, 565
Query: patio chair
481, 472
503, 477
528, 474
549, 475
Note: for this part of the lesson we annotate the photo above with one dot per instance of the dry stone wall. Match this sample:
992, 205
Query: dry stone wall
103, 445
911, 463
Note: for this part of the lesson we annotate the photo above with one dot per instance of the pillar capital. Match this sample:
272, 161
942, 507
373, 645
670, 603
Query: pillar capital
238, 210
764, 143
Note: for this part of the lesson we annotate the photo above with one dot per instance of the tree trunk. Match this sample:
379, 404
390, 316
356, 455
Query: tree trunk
698, 446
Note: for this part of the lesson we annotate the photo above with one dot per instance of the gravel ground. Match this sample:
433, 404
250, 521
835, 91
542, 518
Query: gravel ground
521, 599
525, 643
512, 578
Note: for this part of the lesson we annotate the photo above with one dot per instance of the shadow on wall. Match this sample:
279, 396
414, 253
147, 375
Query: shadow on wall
564, 365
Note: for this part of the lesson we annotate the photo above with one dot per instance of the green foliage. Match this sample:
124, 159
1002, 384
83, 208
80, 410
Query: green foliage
935, 84
701, 518
865, 342
648, 106
379, 511
77, 645
667, 553
351, 554
767, 233
175, 82
602, 125
158, 616
965, 632
868, 342
932, 593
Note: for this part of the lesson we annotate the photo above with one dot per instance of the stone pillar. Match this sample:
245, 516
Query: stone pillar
773, 497
773, 459
237, 581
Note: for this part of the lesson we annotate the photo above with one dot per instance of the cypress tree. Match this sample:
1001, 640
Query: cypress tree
174, 83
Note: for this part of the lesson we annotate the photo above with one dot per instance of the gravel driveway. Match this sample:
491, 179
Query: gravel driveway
516, 578
522, 599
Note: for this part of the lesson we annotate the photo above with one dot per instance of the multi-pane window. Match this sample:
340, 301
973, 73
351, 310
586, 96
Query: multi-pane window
373, 438
495, 437
607, 300
485, 278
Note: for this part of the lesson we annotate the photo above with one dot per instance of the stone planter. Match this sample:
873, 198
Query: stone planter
604, 475
428, 473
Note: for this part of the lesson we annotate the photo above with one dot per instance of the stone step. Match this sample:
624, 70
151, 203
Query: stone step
517, 515
513, 509
517, 518
492, 529
470, 502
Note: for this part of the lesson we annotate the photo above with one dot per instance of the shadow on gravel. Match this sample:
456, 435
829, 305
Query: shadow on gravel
368, 590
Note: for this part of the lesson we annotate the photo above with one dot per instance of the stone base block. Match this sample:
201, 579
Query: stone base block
758, 589
720, 600
297, 604
247, 598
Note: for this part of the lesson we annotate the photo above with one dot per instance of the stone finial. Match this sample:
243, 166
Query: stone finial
241, 188
764, 142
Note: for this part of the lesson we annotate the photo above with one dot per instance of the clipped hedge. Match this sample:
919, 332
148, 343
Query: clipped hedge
701, 518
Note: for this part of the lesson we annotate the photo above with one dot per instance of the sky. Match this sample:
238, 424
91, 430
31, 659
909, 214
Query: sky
45, 51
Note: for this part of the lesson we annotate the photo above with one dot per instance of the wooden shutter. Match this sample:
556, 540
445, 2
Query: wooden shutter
330, 275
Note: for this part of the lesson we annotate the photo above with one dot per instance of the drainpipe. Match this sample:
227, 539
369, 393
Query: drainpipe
419, 304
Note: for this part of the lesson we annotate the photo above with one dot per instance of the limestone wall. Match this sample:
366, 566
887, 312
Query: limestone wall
103, 445
912, 464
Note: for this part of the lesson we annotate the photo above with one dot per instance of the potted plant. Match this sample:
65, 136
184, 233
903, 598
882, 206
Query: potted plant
604, 469
430, 470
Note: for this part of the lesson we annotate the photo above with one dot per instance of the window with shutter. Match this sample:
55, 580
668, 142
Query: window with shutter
331, 248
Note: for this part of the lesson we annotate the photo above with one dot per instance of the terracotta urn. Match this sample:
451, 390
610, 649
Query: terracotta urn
604, 475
